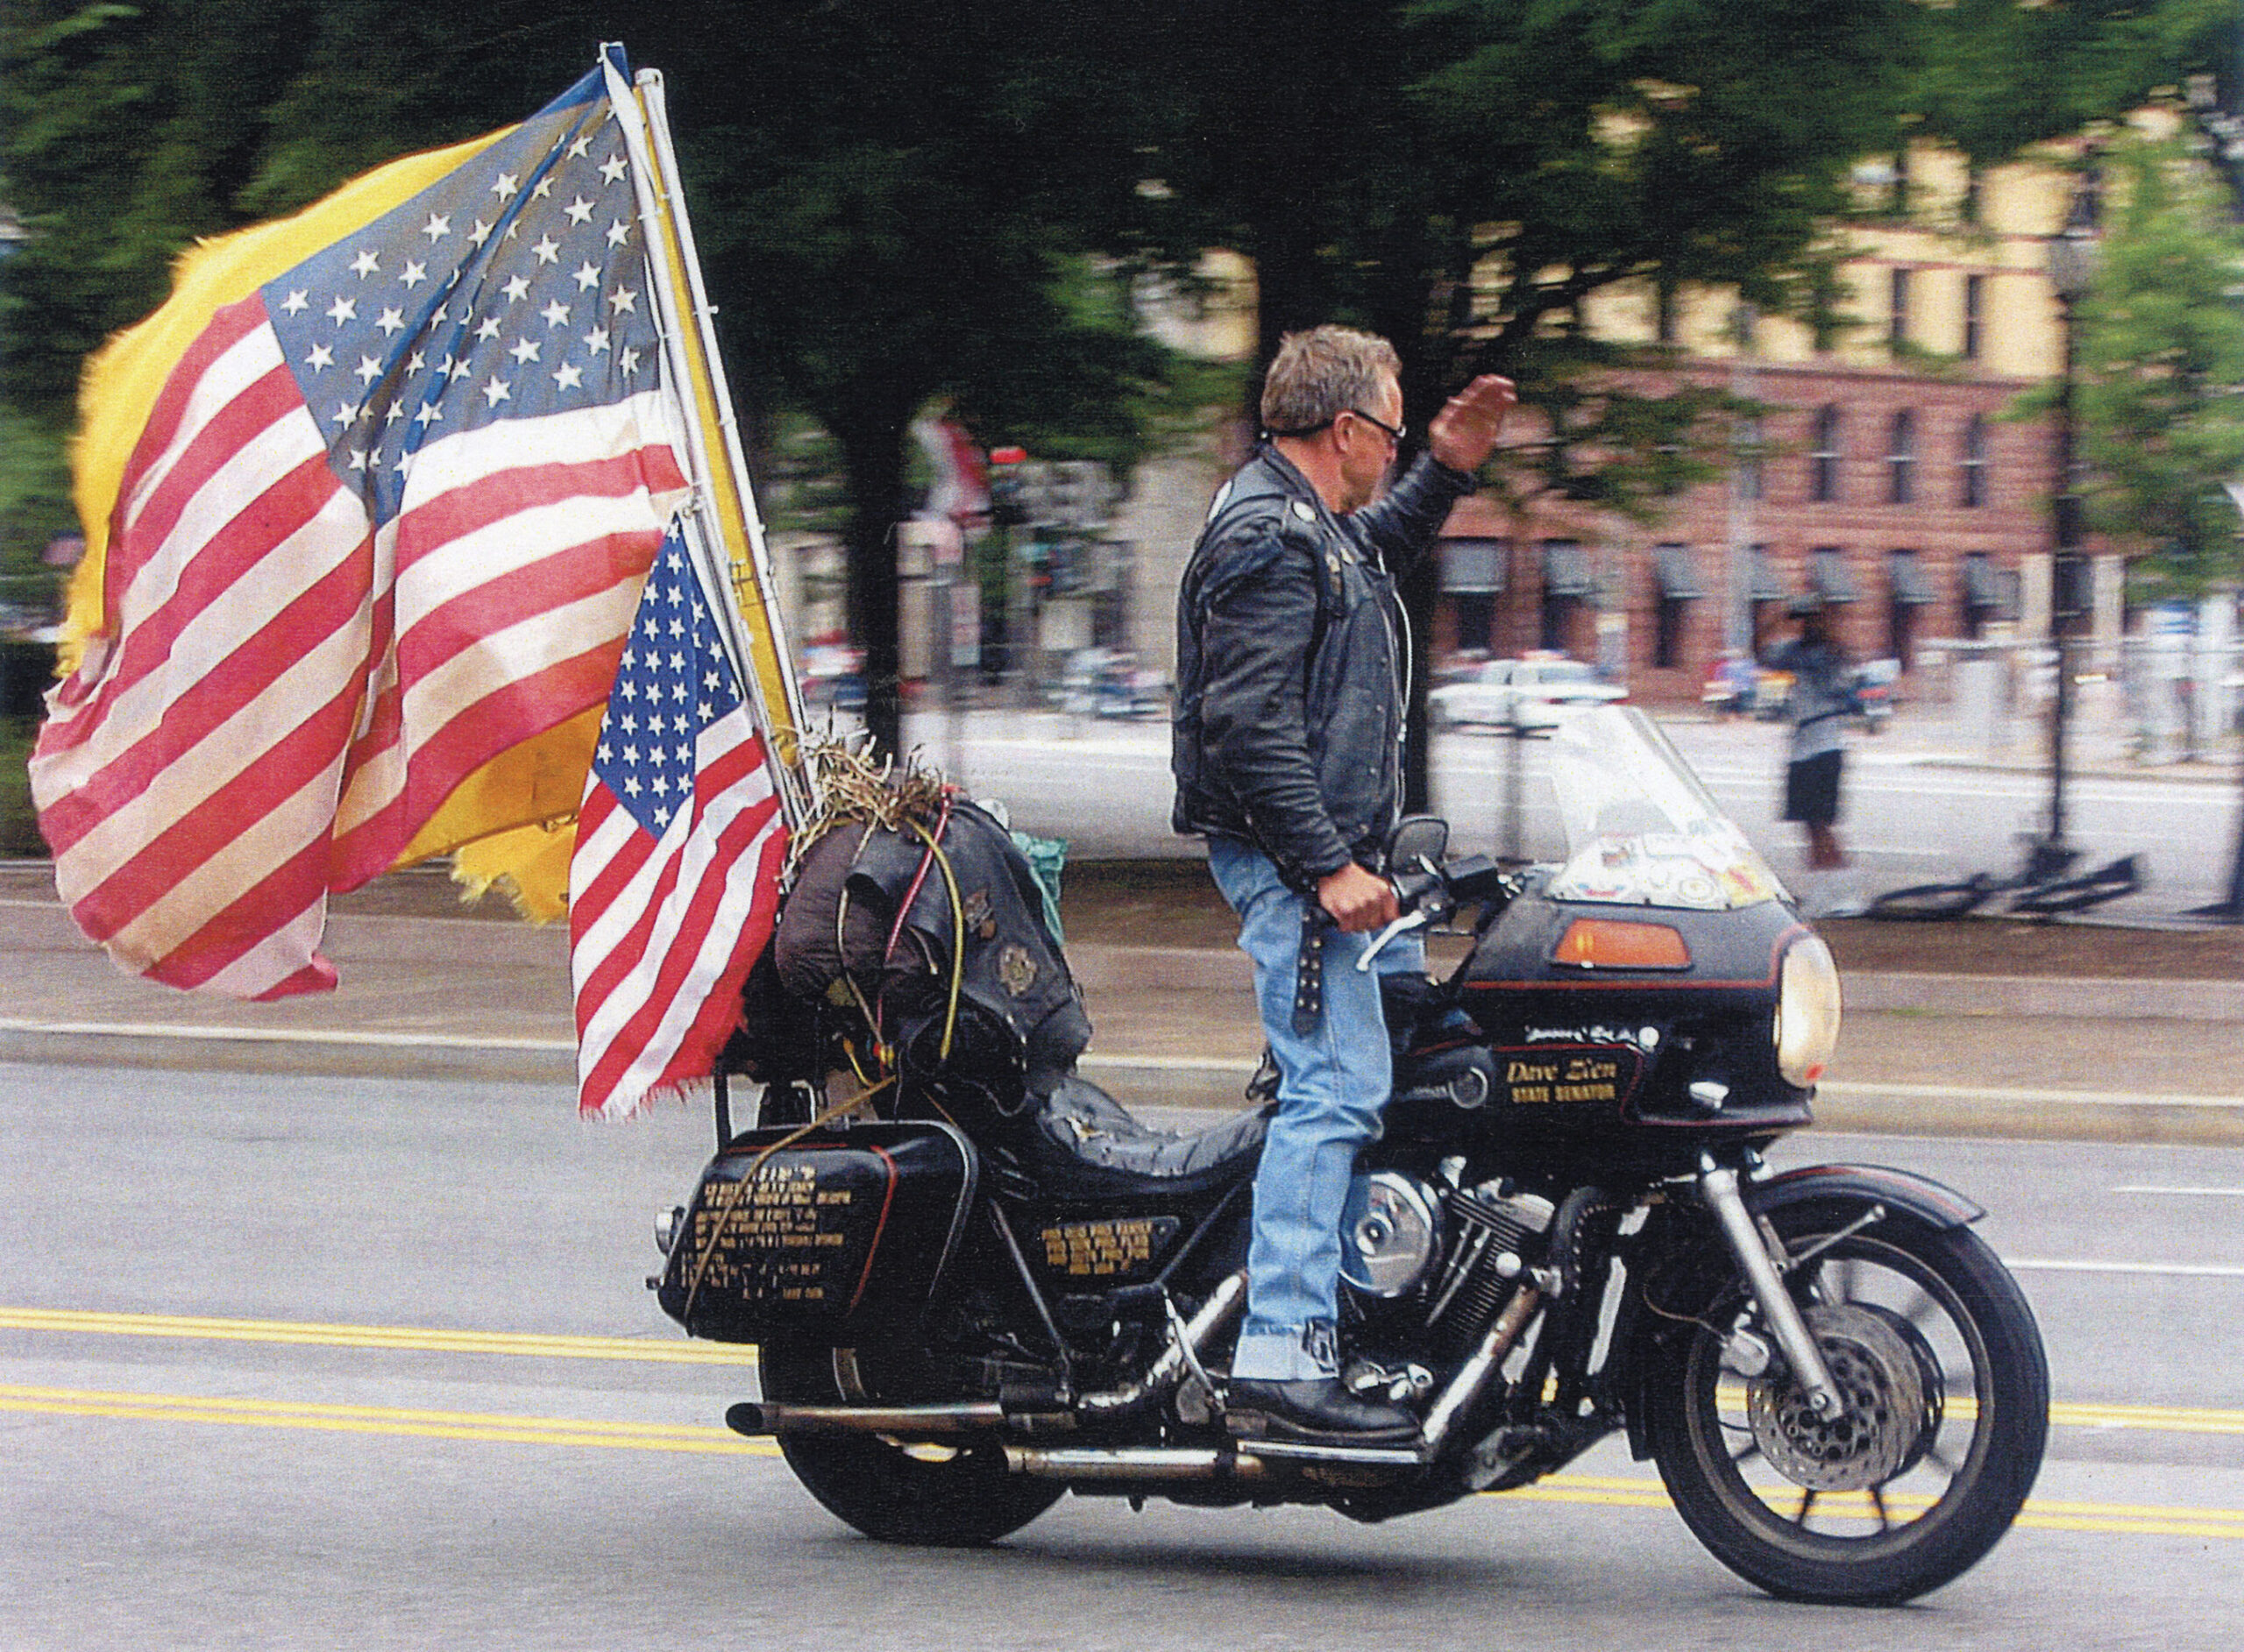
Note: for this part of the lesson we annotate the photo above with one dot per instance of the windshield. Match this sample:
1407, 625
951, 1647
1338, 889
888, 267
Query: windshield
1605, 795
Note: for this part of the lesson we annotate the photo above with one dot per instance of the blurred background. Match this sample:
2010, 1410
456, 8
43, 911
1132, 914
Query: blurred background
1929, 311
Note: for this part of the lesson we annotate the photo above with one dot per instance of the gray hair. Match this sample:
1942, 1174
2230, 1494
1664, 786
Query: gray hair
1320, 374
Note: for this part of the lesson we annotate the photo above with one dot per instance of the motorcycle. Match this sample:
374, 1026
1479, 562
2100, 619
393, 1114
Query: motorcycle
977, 1282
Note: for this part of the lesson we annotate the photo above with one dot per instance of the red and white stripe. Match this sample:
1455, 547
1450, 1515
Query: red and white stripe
271, 657
663, 930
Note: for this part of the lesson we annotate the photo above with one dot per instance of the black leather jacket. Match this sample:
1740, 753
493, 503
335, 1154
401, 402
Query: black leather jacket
1293, 664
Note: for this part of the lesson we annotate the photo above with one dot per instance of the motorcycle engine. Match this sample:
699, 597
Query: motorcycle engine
1390, 1233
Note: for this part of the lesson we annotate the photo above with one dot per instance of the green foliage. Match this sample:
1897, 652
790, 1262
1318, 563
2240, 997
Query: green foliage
18, 820
2162, 358
1995, 75
901, 203
34, 496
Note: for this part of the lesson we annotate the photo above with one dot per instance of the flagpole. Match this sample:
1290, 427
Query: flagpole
724, 500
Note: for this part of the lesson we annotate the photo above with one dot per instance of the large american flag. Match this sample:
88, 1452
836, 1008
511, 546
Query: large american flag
387, 521
674, 884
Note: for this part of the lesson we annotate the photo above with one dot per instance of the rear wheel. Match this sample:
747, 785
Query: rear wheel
1947, 1393
954, 1495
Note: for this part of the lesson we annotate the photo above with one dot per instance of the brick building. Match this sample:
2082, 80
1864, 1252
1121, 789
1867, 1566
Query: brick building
1886, 475
1909, 499
1888, 471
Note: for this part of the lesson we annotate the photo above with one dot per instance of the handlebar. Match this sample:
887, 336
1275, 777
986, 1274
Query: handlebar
1432, 893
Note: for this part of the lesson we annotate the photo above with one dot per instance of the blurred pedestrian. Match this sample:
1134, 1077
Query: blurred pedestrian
1821, 704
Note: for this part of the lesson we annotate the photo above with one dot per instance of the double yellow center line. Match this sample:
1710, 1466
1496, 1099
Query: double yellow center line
519, 1345
504, 1428
2048, 1515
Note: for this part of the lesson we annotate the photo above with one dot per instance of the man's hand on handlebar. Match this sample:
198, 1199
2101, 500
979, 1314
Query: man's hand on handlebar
1358, 901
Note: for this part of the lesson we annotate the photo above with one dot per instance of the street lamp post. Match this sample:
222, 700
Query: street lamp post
2072, 271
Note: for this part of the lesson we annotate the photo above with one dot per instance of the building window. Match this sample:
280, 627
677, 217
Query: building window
1906, 590
1828, 575
1901, 459
1975, 310
1897, 308
1750, 480
1473, 573
1766, 590
1985, 598
1823, 457
1566, 585
1675, 586
1971, 468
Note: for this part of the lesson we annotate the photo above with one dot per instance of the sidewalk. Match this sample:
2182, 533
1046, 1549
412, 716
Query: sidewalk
433, 990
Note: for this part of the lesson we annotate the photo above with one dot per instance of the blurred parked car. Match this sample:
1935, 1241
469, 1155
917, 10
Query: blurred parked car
1523, 691
1731, 683
833, 678
1110, 683
1877, 687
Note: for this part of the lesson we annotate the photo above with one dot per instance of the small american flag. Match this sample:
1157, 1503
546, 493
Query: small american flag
675, 881
387, 521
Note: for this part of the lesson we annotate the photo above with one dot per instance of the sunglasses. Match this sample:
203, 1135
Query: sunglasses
1395, 432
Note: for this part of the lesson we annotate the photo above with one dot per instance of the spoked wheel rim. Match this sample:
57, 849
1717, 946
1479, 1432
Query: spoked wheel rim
1913, 1362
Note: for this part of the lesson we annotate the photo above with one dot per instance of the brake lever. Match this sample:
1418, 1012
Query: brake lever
1402, 926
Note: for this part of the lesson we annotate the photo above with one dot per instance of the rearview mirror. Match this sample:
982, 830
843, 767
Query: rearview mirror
1417, 844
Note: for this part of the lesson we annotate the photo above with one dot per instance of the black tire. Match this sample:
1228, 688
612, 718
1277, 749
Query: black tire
1930, 1468
960, 1497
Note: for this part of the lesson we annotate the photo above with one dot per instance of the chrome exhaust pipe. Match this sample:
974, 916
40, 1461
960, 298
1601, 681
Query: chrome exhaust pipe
976, 1416
1472, 1376
1131, 1462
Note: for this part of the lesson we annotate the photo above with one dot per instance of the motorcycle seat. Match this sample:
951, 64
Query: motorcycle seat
1081, 1143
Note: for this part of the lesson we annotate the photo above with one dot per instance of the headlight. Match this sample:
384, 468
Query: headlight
1808, 1011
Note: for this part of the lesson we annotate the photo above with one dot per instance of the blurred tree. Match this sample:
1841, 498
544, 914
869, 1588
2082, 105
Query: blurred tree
1998, 75
2162, 358
906, 201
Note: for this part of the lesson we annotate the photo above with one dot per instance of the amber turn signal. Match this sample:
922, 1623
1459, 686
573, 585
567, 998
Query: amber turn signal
1605, 943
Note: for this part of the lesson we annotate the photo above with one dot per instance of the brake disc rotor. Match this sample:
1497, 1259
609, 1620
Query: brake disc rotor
1882, 1392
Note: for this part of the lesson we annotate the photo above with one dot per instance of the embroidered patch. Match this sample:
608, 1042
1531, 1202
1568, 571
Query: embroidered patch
1016, 969
979, 919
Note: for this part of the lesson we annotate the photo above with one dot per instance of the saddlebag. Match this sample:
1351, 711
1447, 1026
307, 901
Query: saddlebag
833, 1235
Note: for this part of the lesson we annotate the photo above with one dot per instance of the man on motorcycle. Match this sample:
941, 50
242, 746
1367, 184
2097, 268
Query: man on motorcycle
1291, 691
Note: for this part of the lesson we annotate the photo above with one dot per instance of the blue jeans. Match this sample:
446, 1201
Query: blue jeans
1332, 1087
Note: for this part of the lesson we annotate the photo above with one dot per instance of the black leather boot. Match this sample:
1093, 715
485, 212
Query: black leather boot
1320, 1411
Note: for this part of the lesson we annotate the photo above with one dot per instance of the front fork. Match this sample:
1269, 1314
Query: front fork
1718, 1187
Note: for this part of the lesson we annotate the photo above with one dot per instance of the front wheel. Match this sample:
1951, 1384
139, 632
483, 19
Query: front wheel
1947, 1391
949, 1496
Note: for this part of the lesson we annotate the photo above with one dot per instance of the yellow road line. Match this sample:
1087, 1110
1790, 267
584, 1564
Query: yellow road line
2042, 1512
529, 1344
1580, 1490
2167, 1419
383, 1420
412, 1339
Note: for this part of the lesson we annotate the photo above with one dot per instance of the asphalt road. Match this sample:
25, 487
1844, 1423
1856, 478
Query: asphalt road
350, 1362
